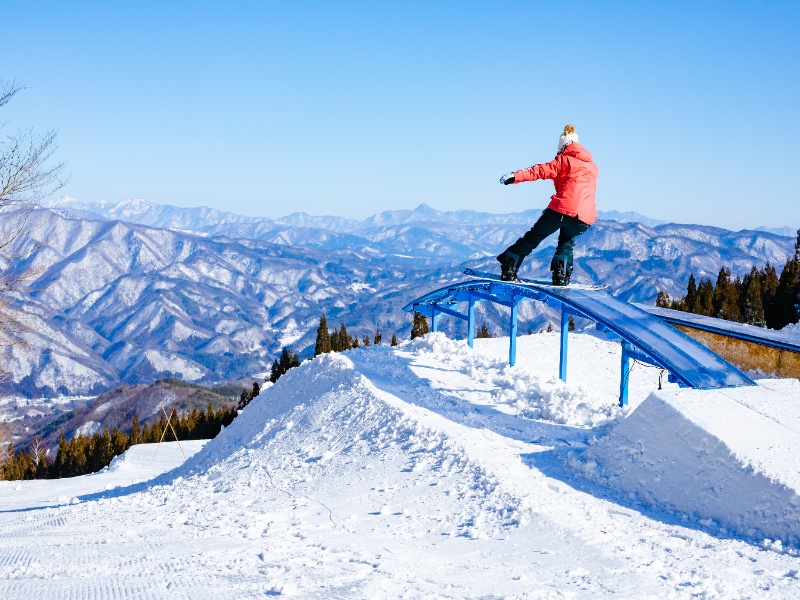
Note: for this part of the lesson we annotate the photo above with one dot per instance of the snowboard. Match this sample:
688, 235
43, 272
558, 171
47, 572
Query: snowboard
542, 282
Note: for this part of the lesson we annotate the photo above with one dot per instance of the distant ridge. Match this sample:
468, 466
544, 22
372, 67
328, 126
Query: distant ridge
202, 218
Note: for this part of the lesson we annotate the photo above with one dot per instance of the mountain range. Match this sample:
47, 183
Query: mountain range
131, 292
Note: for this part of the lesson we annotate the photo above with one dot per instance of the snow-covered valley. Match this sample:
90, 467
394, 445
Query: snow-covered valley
118, 302
436, 471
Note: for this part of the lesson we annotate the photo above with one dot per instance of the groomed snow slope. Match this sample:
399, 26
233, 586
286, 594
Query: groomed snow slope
428, 471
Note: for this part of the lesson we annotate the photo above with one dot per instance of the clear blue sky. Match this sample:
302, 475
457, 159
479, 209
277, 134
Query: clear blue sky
349, 108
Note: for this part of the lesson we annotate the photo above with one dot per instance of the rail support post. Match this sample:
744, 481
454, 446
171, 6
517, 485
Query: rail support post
625, 375
562, 364
434, 319
512, 348
471, 322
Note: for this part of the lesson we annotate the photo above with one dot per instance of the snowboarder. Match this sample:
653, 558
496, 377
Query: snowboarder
571, 211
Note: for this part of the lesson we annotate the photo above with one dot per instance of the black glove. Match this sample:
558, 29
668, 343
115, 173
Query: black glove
507, 179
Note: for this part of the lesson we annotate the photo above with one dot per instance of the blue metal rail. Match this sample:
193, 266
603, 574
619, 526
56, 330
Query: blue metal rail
644, 337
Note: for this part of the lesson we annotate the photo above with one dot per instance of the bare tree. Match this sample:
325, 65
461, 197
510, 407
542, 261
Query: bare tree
36, 450
5, 439
27, 176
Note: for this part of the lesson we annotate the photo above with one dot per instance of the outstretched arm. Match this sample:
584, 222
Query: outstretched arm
547, 170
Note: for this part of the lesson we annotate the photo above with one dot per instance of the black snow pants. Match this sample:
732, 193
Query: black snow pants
551, 221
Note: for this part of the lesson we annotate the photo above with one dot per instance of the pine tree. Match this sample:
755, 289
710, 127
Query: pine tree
571, 323
58, 469
344, 338
787, 296
549, 327
377, 339
336, 346
769, 292
274, 373
394, 339
752, 308
323, 344
135, 435
691, 298
483, 332
732, 301
663, 300
366, 341
354, 343
420, 326
721, 291
705, 298
288, 360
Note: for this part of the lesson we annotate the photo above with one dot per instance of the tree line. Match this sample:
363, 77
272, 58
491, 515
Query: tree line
762, 297
85, 454
338, 340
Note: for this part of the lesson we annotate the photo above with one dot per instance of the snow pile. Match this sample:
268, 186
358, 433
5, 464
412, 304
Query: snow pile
533, 395
792, 329
325, 424
727, 457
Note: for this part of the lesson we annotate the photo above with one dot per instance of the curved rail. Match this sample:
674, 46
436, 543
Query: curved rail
644, 336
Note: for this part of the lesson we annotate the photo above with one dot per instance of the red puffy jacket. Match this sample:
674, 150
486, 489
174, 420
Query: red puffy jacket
575, 176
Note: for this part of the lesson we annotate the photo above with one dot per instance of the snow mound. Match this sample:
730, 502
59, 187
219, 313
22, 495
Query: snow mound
727, 457
531, 394
792, 329
325, 426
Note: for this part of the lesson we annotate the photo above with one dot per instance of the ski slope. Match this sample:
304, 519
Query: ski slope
432, 471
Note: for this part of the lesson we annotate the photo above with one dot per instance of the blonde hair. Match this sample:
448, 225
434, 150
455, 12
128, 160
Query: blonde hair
569, 129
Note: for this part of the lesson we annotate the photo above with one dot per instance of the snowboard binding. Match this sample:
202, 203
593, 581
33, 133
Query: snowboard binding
509, 264
562, 270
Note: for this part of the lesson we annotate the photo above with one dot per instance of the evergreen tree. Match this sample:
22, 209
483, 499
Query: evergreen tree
420, 326
103, 453
288, 360
797, 245
769, 292
345, 342
787, 296
336, 346
549, 327
244, 396
366, 341
354, 343
571, 325
274, 373
691, 299
323, 344
394, 339
705, 298
58, 469
377, 339
752, 307
721, 291
663, 300
135, 435
483, 332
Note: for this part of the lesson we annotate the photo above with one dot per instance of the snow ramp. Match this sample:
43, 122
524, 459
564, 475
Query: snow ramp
727, 457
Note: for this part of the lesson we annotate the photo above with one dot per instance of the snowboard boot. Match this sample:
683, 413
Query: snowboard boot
509, 263
561, 271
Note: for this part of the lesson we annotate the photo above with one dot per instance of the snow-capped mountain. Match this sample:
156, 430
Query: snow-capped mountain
121, 302
212, 221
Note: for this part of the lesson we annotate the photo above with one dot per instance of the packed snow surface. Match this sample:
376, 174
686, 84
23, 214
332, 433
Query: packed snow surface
424, 471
